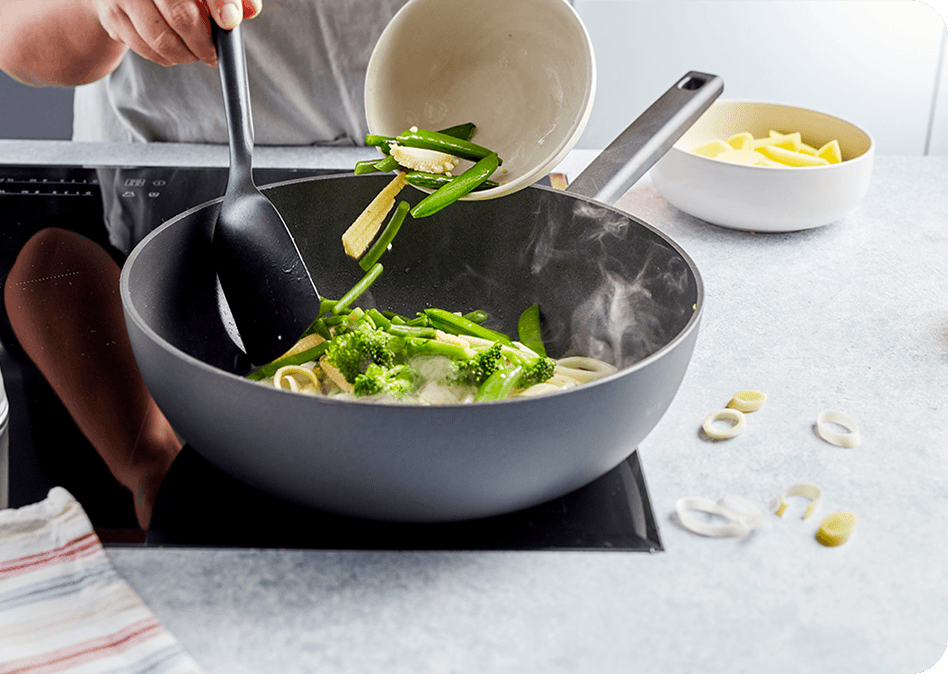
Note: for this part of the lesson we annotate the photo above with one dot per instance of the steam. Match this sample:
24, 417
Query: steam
632, 312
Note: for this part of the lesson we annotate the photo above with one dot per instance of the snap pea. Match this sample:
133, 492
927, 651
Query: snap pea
435, 180
457, 188
528, 329
385, 238
442, 142
499, 385
476, 316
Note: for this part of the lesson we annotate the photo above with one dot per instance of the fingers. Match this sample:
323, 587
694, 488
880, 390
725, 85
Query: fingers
170, 32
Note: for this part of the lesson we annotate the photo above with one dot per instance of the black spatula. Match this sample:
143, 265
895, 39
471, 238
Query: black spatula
267, 286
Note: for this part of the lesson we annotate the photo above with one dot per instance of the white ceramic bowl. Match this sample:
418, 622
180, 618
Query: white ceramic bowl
522, 70
765, 198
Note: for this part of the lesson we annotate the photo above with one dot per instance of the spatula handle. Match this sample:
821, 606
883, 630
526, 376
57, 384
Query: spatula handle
232, 64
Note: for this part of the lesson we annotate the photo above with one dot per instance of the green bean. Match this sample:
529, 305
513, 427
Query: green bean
386, 165
376, 140
318, 327
411, 331
433, 347
270, 369
459, 325
385, 238
379, 319
457, 188
442, 142
528, 329
356, 291
435, 180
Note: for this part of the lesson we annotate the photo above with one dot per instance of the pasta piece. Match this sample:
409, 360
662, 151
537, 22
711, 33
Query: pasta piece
727, 414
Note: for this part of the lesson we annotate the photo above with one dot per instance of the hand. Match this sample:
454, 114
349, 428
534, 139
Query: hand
170, 32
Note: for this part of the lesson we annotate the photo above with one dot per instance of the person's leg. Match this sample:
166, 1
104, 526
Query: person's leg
62, 299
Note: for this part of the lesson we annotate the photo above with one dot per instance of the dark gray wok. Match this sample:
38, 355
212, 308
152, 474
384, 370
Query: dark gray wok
609, 285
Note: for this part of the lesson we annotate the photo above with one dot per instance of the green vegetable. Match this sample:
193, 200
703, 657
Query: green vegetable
387, 164
499, 385
353, 351
476, 316
536, 368
367, 166
411, 331
385, 238
459, 325
432, 347
397, 381
434, 181
356, 291
270, 369
457, 188
475, 371
528, 329
442, 142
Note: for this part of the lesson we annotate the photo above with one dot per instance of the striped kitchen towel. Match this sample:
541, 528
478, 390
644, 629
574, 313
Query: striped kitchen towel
63, 605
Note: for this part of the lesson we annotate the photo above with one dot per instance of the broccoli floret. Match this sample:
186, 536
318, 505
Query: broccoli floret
536, 368
537, 372
396, 381
475, 371
354, 351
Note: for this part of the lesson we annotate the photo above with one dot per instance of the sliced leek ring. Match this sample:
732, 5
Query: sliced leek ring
726, 414
835, 529
747, 401
286, 377
742, 516
810, 491
848, 439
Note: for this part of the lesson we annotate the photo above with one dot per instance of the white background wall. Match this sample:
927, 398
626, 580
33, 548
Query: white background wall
880, 63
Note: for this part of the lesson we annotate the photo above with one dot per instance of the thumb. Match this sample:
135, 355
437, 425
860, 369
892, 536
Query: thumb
231, 12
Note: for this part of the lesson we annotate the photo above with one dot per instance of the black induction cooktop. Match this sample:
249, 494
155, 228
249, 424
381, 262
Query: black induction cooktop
198, 504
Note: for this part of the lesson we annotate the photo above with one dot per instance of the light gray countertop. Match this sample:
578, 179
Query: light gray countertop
852, 316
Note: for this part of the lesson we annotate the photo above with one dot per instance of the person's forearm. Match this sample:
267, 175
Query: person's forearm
55, 42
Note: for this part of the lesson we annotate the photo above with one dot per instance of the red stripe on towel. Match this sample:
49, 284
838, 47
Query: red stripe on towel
87, 651
77, 548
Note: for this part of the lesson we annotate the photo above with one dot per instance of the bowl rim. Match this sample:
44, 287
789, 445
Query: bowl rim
558, 152
864, 157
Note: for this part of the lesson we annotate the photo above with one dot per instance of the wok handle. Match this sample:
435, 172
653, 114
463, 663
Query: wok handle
647, 139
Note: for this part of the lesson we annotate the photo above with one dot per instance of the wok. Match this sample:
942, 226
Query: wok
609, 285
